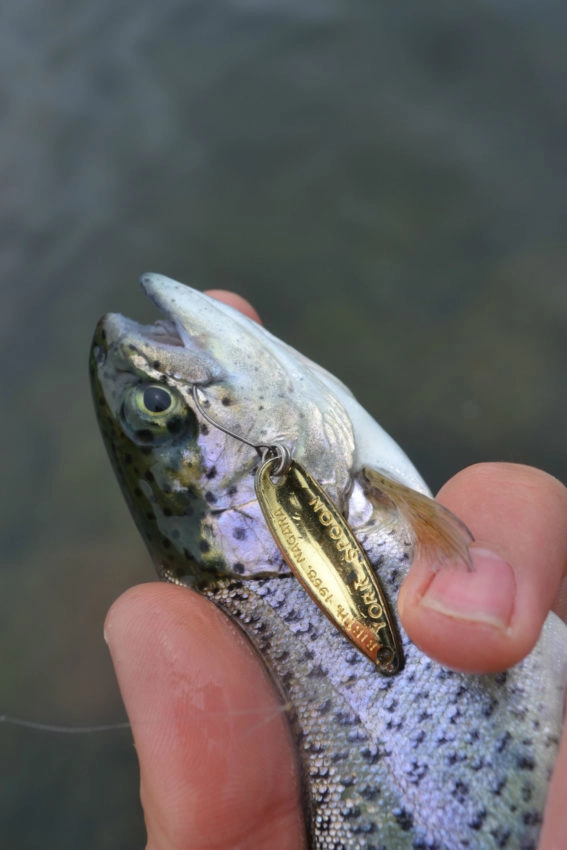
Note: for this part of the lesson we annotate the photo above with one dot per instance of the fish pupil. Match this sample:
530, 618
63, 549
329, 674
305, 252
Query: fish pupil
156, 399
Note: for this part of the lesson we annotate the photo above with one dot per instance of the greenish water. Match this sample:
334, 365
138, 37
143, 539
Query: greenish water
385, 182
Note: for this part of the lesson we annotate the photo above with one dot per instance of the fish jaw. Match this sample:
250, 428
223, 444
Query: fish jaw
326, 411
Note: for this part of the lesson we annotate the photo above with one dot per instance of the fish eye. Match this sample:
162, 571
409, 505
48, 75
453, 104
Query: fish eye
157, 399
154, 413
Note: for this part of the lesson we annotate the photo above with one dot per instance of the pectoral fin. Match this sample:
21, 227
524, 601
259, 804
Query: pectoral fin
437, 533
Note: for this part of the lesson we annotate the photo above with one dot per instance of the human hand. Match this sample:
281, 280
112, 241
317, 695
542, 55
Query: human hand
217, 763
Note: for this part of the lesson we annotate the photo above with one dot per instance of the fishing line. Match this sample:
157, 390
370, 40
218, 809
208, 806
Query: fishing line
54, 728
59, 729
267, 451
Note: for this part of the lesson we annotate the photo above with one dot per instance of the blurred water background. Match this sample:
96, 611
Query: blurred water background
385, 181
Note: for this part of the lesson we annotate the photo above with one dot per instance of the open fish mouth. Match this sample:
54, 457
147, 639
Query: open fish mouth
164, 332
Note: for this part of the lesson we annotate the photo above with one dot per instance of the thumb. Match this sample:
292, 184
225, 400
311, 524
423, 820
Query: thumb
489, 618
216, 760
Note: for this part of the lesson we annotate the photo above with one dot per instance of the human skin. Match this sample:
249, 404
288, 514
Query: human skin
217, 764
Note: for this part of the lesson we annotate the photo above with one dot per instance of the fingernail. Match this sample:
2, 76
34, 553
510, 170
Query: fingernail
485, 594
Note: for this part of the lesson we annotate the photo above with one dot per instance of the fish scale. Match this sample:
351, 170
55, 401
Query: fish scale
427, 759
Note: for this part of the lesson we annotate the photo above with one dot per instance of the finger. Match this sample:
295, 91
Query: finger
489, 618
217, 764
236, 301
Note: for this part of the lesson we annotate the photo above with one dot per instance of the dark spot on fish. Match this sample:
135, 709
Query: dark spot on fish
239, 568
175, 425
527, 792
226, 401
501, 678
232, 491
499, 787
204, 545
239, 533
489, 708
291, 616
404, 819
204, 429
531, 818
145, 435
417, 772
477, 820
419, 739
350, 812
501, 837
131, 347
211, 473
525, 762
156, 364
347, 718
353, 657
370, 792
210, 497
503, 742
460, 791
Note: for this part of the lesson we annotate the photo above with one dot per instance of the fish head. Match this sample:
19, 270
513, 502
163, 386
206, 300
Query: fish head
190, 485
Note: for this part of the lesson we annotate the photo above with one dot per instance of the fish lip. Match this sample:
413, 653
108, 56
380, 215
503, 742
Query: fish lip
153, 285
164, 331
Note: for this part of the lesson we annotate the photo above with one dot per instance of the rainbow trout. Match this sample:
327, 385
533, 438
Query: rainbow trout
427, 759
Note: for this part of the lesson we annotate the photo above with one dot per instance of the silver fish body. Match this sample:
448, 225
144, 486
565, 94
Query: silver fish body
428, 758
